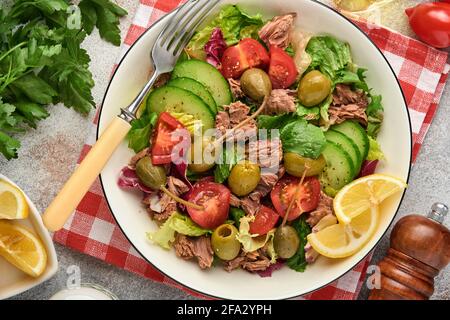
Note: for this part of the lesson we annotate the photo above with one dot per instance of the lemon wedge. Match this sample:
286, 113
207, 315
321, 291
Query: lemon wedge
364, 193
22, 248
343, 240
13, 204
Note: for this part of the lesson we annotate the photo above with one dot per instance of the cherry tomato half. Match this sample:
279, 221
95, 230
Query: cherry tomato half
431, 23
215, 198
282, 69
265, 220
284, 191
168, 134
248, 53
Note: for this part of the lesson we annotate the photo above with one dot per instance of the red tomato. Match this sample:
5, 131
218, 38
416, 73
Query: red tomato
282, 69
215, 198
265, 220
168, 134
248, 53
285, 190
431, 23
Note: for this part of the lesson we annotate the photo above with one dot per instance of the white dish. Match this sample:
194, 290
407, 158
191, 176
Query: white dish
395, 139
14, 281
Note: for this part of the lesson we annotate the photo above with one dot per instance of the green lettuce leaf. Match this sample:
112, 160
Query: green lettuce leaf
184, 225
234, 23
308, 113
276, 122
303, 138
252, 242
229, 158
298, 261
237, 214
375, 152
165, 235
329, 55
375, 115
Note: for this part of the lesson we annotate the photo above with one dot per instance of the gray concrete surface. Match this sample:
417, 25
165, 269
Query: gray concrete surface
49, 154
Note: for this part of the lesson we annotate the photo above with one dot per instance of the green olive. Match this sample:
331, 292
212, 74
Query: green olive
224, 242
202, 155
244, 177
286, 242
313, 88
295, 165
152, 176
256, 84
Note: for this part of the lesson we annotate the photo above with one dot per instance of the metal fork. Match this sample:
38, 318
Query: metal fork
165, 53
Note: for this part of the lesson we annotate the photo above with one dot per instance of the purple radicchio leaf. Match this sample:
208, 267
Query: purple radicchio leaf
128, 179
368, 168
270, 269
215, 47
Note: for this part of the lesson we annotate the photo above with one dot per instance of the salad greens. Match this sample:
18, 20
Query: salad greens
303, 138
141, 128
329, 55
375, 152
237, 214
177, 222
375, 114
298, 261
234, 24
230, 157
42, 61
252, 242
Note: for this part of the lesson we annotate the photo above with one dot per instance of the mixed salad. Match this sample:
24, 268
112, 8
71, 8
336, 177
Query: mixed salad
241, 149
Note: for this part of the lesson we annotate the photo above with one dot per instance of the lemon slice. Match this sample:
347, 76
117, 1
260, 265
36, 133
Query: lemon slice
22, 248
13, 204
364, 193
343, 240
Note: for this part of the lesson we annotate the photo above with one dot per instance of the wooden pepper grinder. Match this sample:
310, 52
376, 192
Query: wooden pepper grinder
420, 248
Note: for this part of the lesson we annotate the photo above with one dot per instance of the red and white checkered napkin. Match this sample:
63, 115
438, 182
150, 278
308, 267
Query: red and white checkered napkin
422, 72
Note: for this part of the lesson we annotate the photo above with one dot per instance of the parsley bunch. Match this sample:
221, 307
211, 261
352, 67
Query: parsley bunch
42, 62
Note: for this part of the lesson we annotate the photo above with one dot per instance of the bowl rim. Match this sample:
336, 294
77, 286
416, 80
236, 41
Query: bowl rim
149, 29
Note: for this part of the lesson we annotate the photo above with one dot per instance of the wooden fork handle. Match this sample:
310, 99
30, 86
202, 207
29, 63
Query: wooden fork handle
81, 180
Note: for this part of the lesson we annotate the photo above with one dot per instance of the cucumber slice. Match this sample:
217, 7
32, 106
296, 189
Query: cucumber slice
357, 134
196, 88
339, 169
172, 99
208, 76
347, 145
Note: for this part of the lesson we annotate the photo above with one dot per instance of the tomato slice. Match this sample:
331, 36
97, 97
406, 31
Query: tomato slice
248, 53
282, 69
284, 191
215, 198
168, 134
265, 220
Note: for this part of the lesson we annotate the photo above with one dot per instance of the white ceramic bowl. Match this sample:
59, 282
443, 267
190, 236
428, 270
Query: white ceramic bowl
395, 139
14, 281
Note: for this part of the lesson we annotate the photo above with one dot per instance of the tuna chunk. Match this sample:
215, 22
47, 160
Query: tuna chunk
276, 32
199, 248
281, 101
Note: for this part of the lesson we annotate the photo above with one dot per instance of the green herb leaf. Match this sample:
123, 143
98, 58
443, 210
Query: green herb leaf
88, 15
36, 89
139, 135
298, 261
31, 112
303, 138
